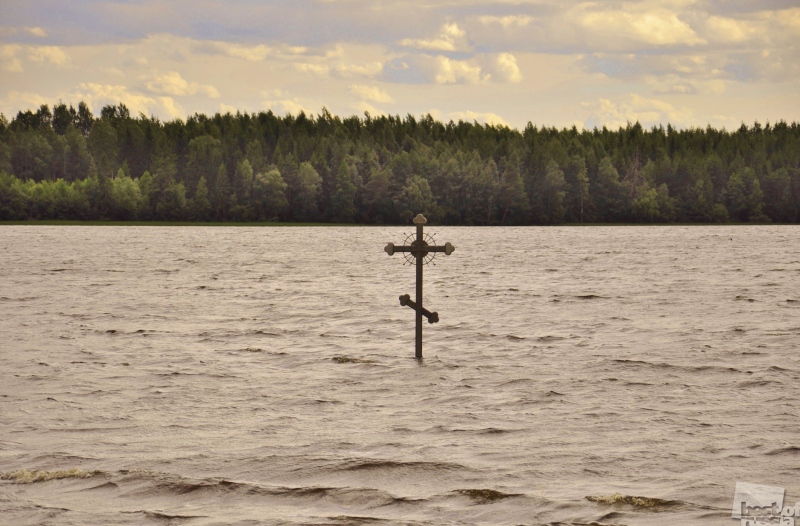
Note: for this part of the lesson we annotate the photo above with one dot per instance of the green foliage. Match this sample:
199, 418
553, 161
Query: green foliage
609, 197
171, 205
126, 197
343, 206
200, 205
745, 197
66, 164
306, 189
553, 193
378, 197
512, 197
269, 196
415, 198
13, 201
103, 144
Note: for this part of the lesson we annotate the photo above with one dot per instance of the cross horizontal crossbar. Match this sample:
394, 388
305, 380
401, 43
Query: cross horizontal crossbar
447, 248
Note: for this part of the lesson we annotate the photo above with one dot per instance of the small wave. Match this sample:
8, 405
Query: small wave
485, 496
356, 520
391, 465
259, 332
348, 496
29, 298
589, 297
662, 365
791, 450
23, 476
550, 338
779, 369
159, 516
493, 431
639, 502
350, 359
757, 383
515, 338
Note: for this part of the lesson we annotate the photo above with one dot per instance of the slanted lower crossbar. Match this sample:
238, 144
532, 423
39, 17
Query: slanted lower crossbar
433, 317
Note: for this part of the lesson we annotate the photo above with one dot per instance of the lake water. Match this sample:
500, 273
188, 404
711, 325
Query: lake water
205, 376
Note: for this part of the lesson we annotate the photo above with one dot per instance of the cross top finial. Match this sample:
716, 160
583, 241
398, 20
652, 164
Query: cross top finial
420, 220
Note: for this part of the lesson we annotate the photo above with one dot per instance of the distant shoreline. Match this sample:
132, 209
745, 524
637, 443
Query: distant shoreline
289, 224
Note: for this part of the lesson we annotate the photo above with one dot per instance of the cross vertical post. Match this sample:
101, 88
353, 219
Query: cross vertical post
419, 221
423, 253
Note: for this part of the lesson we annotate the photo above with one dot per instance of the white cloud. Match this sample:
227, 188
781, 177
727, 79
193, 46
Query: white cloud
16, 100
486, 118
172, 83
450, 71
226, 108
98, 95
274, 93
316, 69
633, 108
171, 107
372, 93
339, 67
507, 21
364, 69
36, 31
789, 17
723, 29
677, 84
441, 69
507, 68
450, 38
9, 60
336, 52
689, 67
365, 107
656, 27
11, 31
257, 53
292, 105
53, 54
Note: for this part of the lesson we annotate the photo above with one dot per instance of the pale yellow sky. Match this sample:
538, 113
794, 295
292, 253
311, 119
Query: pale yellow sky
683, 62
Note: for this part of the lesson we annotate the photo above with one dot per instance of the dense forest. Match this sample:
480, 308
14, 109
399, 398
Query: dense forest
69, 164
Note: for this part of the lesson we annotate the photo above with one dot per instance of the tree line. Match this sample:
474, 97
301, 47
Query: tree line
66, 163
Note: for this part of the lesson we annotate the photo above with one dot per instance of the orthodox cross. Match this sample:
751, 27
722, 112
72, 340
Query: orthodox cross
423, 252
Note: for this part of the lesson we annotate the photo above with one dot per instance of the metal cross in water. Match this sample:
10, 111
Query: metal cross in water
419, 249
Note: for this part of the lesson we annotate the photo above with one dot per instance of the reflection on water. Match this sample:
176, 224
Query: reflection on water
620, 375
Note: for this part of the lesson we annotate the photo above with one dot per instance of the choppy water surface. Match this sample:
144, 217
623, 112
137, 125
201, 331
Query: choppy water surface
266, 375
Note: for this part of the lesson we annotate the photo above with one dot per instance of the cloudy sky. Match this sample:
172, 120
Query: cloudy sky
549, 62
